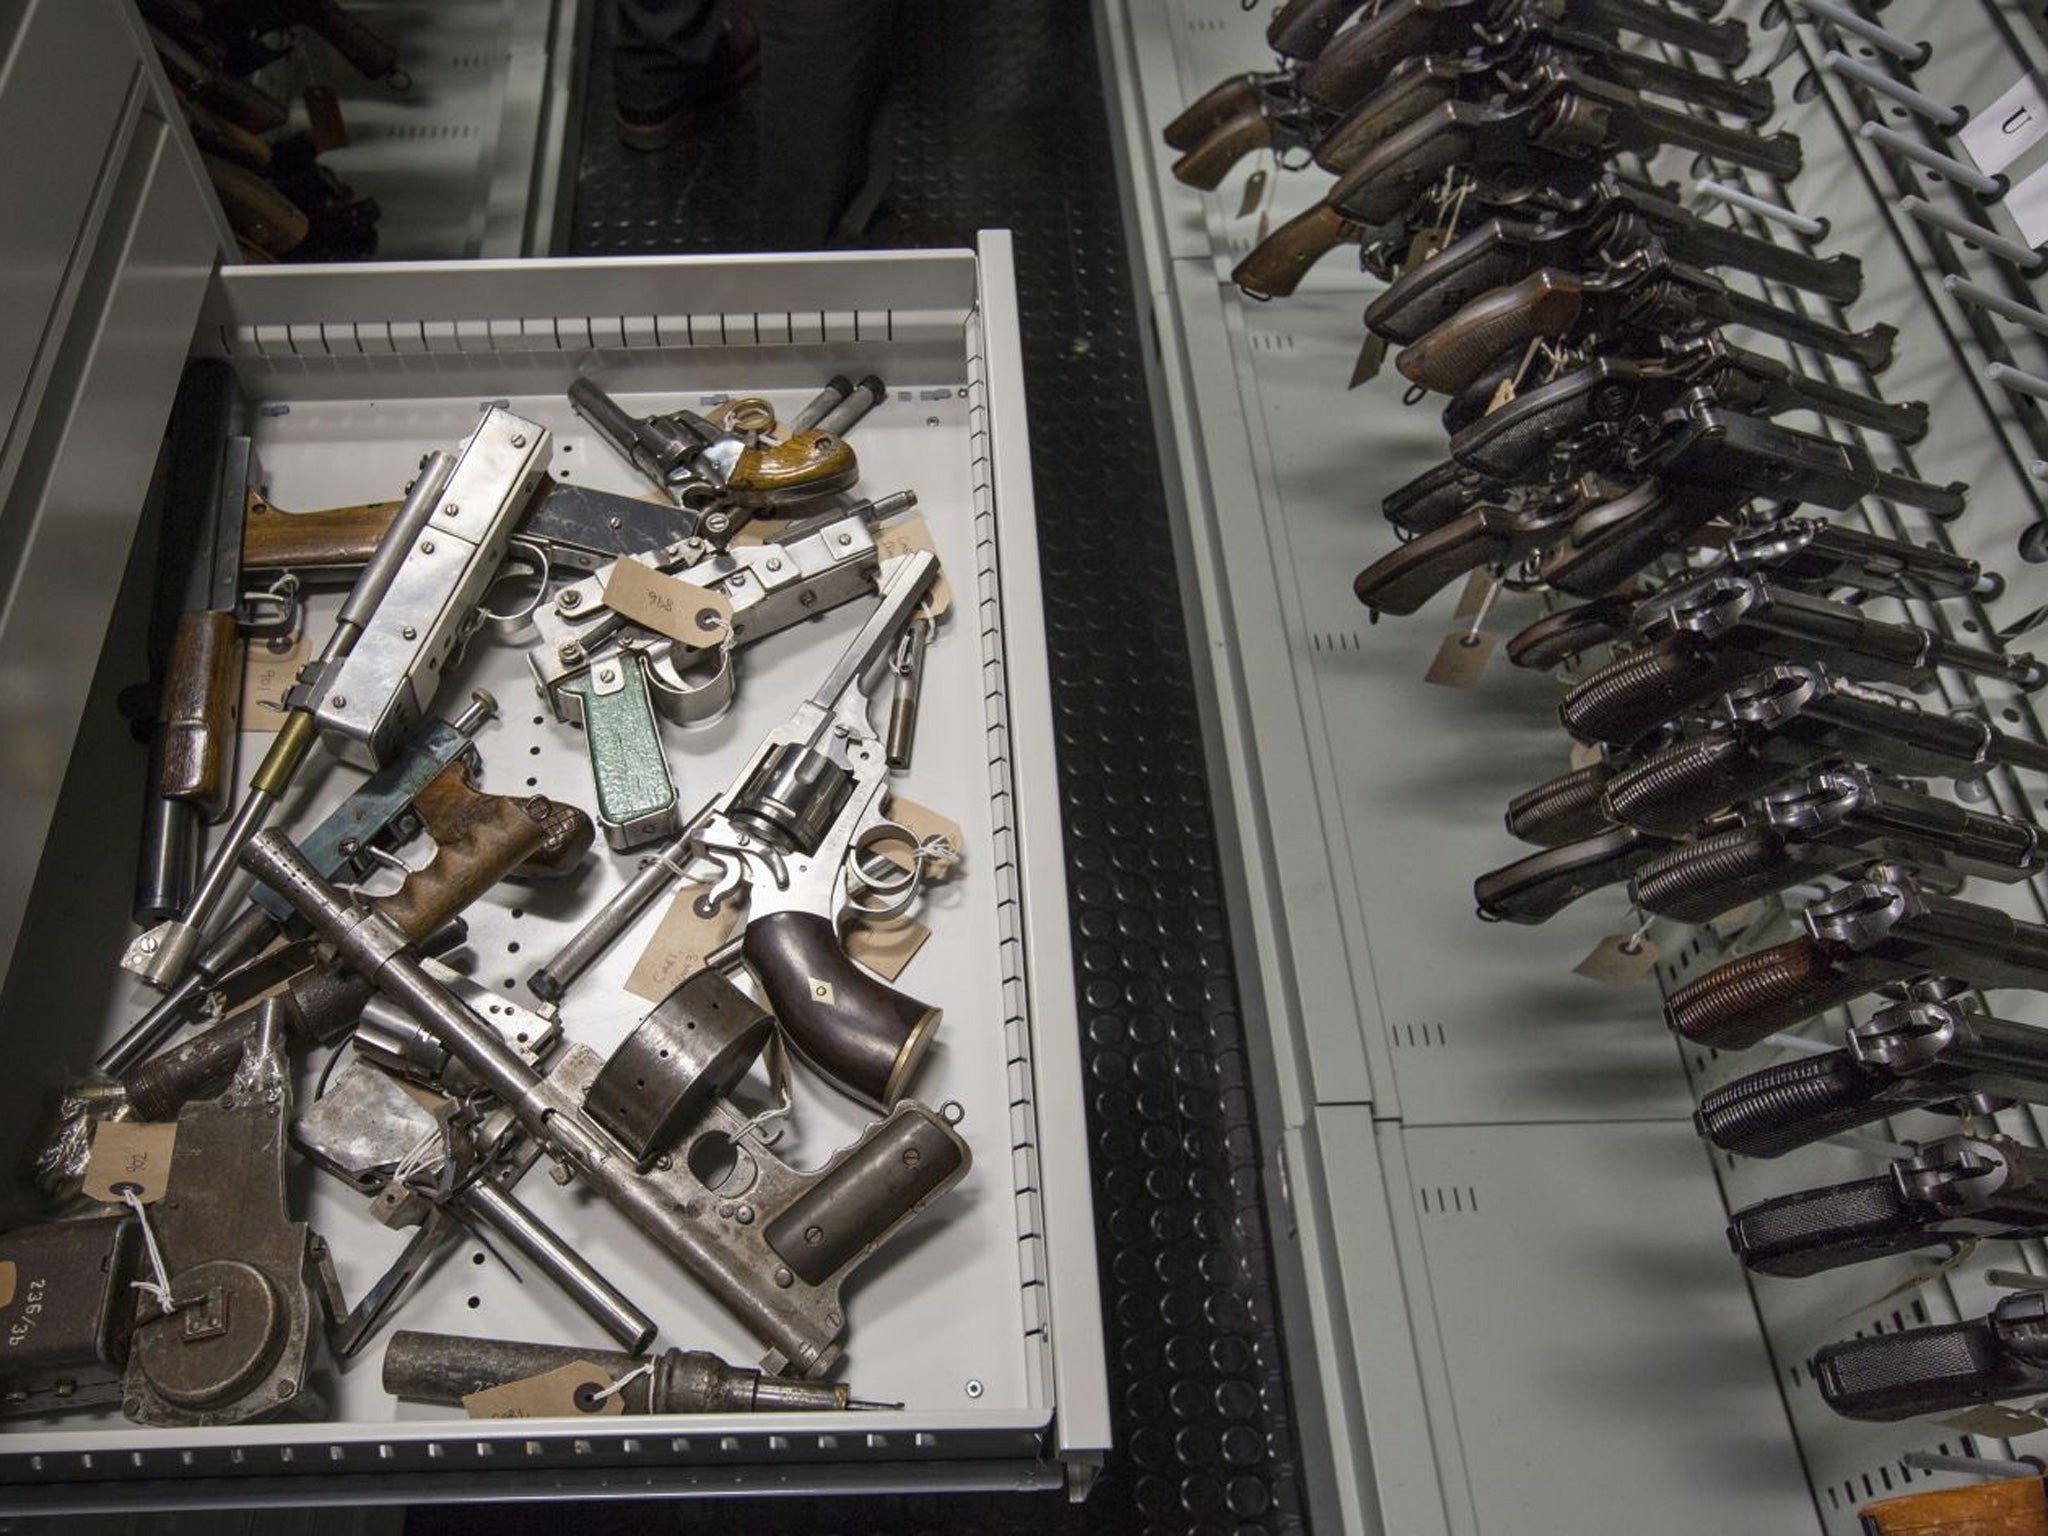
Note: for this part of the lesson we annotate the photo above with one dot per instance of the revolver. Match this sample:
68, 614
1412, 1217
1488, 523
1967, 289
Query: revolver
1840, 817
1783, 722
698, 465
1939, 1369
1879, 931
773, 1245
1703, 636
1911, 1055
1943, 1197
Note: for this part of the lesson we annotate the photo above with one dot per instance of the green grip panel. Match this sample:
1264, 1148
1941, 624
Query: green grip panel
636, 798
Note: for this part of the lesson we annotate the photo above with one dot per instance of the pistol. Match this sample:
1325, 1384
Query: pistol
1516, 66
1785, 721
1907, 1056
1702, 637
446, 1368
1351, 63
1555, 136
613, 678
1939, 1369
1881, 930
638, 1146
1618, 219
1652, 296
479, 839
700, 466
1841, 817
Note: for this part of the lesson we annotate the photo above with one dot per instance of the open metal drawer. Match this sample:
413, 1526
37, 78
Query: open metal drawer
984, 1320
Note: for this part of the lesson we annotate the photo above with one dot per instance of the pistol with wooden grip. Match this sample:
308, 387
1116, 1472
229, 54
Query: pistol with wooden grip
1517, 66
777, 1246
1702, 637
1787, 720
1940, 1369
1938, 1200
1864, 937
1840, 818
1349, 63
1538, 886
479, 840
1648, 299
1907, 1056
1555, 136
1618, 220
722, 475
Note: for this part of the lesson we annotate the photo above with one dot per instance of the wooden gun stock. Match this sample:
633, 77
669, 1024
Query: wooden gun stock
201, 702
1275, 267
1227, 99
1458, 350
276, 540
1205, 166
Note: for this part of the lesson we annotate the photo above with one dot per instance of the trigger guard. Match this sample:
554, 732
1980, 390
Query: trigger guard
682, 702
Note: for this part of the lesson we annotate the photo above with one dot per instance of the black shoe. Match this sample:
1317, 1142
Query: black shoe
658, 100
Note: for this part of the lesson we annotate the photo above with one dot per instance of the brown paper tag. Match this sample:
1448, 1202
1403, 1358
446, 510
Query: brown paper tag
6, 1282
267, 676
1503, 392
668, 605
885, 948
1460, 659
1372, 356
906, 536
550, 1395
682, 942
128, 1154
1583, 755
1254, 192
1735, 919
1478, 587
1614, 962
1995, 1423
923, 823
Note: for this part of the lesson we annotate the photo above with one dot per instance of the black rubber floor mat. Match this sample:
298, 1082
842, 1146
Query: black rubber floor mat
1000, 123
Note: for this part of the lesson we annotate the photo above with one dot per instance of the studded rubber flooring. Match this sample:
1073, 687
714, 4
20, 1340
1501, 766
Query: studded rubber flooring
1000, 123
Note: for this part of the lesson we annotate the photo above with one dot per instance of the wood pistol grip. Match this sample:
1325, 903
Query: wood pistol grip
479, 839
201, 706
860, 1032
1223, 101
1275, 266
1458, 350
810, 461
1205, 165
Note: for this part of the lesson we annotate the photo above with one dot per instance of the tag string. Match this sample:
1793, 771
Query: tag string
159, 1288
1485, 607
644, 1368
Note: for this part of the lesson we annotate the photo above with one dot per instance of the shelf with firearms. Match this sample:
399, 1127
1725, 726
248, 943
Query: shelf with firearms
1786, 699
688, 1078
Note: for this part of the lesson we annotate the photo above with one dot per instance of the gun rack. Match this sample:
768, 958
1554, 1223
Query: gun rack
1509, 1301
